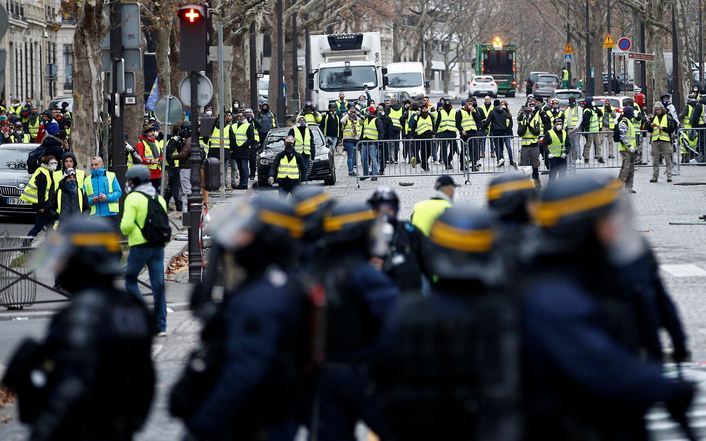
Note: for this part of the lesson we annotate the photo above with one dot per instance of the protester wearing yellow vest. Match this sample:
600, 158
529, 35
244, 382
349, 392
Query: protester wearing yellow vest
467, 123
445, 127
372, 131
37, 192
572, 122
592, 116
565, 78
242, 140
628, 146
529, 127
557, 143
303, 144
151, 154
608, 125
287, 168
423, 128
68, 161
661, 126
103, 192
311, 115
425, 213
351, 131
69, 197
395, 112
33, 124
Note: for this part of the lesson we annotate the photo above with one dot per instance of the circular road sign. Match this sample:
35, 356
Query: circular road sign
204, 89
175, 110
624, 44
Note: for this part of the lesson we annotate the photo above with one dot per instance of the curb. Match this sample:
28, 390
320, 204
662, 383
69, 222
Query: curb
29, 315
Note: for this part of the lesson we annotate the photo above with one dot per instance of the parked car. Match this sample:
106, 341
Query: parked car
323, 167
61, 99
483, 85
626, 83
14, 178
545, 85
563, 96
616, 102
532, 79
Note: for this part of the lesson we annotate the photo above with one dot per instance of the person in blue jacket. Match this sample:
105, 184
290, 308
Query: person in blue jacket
103, 192
359, 301
258, 333
585, 375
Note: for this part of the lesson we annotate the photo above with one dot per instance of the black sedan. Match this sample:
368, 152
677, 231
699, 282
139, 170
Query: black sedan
323, 165
14, 178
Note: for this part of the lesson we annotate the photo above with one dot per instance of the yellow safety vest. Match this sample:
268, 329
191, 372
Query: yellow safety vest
351, 130
632, 139
370, 129
288, 168
113, 207
557, 144
204, 145
25, 138
30, 192
328, 119
468, 123
311, 119
215, 139
427, 212
572, 117
80, 176
447, 121
485, 112
16, 109
409, 116
610, 119
58, 201
658, 126
152, 151
423, 125
552, 117
241, 133
593, 126
529, 138
565, 75
302, 144
395, 116
687, 118
33, 129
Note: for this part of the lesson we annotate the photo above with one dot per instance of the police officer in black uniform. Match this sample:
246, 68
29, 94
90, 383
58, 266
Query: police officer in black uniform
311, 205
450, 368
246, 381
585, 375
359, 301
92, 378
402, 263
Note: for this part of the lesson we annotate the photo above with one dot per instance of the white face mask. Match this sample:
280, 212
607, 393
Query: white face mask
52, 166
558, 127
209, 113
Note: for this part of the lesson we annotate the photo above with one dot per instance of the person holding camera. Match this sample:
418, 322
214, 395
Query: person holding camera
312, 116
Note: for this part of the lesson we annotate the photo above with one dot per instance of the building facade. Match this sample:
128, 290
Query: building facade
39, 48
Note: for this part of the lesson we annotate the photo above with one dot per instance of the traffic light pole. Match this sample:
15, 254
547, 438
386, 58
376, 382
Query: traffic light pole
118, 161
195, 199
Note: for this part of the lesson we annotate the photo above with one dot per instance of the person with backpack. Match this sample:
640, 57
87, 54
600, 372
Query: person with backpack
38, 191
146, 225
248, 377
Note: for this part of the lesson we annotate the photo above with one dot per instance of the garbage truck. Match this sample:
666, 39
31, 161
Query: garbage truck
348, 63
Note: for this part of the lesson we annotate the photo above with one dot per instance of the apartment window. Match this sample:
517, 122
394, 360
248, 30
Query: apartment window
68, 66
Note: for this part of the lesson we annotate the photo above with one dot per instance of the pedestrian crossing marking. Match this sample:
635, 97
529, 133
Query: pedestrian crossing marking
683, 270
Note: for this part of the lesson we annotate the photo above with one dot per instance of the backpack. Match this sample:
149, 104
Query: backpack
33, 159
616, 130
156, 230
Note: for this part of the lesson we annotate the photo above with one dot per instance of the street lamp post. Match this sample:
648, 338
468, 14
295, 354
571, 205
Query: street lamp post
590, 86
610, 51
676, 83
281, 98
701, 46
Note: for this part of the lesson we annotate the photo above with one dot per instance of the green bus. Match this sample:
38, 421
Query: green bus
498, 59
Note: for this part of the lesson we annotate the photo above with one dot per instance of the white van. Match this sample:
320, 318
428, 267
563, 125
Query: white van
406, 77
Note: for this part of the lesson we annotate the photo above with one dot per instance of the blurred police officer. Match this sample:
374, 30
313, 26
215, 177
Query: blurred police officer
402, 262
92, 378
311, 205
359, 300
246, 379
585, 377
451, 364
426, 212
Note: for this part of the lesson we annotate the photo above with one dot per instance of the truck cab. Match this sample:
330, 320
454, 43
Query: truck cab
348, 63
406, 77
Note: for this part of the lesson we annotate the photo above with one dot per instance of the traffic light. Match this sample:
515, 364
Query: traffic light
193, 31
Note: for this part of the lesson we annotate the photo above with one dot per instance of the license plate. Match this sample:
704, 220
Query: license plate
16, 201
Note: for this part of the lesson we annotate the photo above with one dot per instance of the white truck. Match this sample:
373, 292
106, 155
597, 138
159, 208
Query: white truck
348, 63
406, 77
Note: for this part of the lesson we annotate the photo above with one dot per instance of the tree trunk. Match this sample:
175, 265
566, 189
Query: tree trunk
176, 75
134, 114
597, 53
88, 80
428, 72
239, 80
273, 93
164, 70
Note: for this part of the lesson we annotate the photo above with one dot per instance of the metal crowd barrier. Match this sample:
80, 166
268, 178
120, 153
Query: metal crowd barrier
395, 158
494, 154
17, 290
691, 146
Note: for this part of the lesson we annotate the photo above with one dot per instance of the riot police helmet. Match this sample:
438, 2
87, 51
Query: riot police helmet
509, 196
310, 205
355, 227
384, 195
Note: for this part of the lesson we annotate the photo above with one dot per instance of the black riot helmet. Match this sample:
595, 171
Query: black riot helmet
509, 195
310, 206
354, 228
460, 246
136, 175
83, 253
385, 201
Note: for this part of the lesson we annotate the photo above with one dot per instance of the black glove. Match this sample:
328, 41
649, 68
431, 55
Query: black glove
679, 405
681, 354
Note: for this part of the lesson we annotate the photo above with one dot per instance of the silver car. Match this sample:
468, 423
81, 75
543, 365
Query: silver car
14, 178
545, 85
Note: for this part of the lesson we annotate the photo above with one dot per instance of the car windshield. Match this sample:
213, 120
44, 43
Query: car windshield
404, 79
13, 159
483, 79
547, 79
333, 79
566, 95
275, 139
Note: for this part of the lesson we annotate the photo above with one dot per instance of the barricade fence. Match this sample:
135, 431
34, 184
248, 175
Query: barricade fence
691, 143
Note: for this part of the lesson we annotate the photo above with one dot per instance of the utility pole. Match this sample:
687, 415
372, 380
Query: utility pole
643, 64
676, 80
281, 98
610, 51
253, 66
568, 63
296, 105
307, 57
221, 111
117, 121
590, 85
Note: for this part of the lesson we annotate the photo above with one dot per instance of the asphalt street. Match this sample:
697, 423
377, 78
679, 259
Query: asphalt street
679, 249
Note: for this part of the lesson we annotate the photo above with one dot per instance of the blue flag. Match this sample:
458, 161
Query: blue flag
154, 96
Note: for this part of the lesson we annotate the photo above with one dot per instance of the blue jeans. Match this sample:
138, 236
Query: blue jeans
153, 257
307, 168
334, 141
243, 171
368, 155
349, 147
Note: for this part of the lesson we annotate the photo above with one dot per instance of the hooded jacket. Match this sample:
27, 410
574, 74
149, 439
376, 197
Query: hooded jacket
497, 121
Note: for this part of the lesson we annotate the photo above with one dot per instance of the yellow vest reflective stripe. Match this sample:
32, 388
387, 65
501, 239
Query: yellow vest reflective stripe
424, 125
113, 207
593, 125
572, 116
552, 117
16, 109
370, 129
556, 145
204, 145
33, 128
395, 116
30, 192
302, 144
427, 212
468, 123
657, 124
565, 75
241, 133
25, 139
348, 130
288, 168
632, 139
529, 138
80, 176
485, 112
409, 116
329, 119
215, 139
311, 119
448, 120
80, 200
687, 118
152, 150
